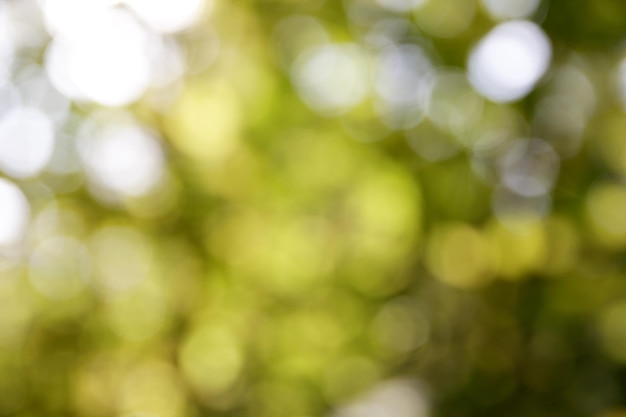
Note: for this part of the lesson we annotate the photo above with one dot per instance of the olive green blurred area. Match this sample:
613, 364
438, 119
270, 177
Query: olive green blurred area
322, 245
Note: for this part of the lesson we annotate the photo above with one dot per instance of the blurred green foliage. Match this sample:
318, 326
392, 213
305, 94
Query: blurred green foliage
292, 261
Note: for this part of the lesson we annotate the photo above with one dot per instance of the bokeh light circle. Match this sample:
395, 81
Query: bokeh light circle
14, 213
508, 62
26, 142
331, 79
125, 159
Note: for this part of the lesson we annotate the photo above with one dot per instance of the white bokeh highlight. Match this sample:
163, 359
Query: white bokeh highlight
403, 80
530, 167
124, 159
14, 214
105, 61
26, 142
331, 79
508, 62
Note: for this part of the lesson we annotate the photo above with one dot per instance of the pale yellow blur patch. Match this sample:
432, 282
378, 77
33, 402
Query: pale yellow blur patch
138, 314
204, 124
284, 255
96, 383
399, 329
386, 203
122, 257
17, 313
381, 226
606, 205
211, 359
152, 388
459, 255
519, 249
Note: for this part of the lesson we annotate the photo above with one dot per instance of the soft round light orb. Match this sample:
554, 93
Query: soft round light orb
26, 142
402, 82
105, 61
508, 62
167, 62
453, 105
458, 255
122, 258
168, 15
530, 167
69, 17
124, 159
14, 213
331, 79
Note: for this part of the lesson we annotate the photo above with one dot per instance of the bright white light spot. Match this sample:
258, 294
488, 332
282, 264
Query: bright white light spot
58, 58
26, 142
331, 79
400, 6
59, 267
509, 60
112, 68
397, 398
403, 82
105, 61
510, 9
530, 167
71, 18
169, 15
14, 213
125, 159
